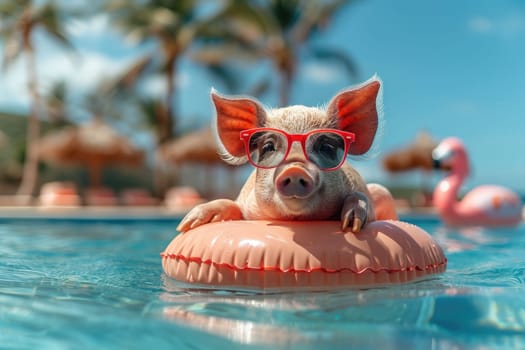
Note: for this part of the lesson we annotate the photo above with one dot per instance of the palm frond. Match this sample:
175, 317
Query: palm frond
129, 78
286, 12
12, 49
241, 15
315, 16
260, 88
149, 108
48, 16
55, 102
217, 53
10, 9
227, 75
338, 56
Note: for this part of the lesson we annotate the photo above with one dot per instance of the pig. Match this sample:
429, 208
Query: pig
297, 189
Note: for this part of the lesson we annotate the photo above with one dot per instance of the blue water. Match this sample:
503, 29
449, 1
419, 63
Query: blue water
88, 284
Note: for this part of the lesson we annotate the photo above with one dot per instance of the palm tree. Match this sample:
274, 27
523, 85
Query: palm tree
274, 29
19, 19
117, 97
174, 25
55, 103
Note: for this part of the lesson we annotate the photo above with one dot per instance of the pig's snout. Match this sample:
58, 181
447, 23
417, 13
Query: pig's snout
295, 182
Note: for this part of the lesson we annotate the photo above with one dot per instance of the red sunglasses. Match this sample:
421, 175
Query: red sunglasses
267, 147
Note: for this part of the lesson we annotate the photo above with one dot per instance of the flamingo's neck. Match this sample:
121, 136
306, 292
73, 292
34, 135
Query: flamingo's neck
446, 193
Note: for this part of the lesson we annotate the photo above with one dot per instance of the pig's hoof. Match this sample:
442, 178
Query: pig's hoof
214, 211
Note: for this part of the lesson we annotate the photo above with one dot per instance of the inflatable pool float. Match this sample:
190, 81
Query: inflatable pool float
312, 255
485, 205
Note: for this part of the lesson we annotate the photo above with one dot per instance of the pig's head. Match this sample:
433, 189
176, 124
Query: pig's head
297, 188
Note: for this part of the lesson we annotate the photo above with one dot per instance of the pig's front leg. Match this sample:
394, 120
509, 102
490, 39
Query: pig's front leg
217, 210
357, 211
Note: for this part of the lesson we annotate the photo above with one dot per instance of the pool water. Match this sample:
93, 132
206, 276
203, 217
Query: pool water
98, 284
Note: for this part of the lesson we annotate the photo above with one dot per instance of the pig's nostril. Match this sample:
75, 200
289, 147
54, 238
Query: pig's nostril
295, 182
295, 186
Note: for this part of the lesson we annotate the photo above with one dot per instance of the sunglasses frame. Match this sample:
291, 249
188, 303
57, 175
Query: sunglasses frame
245, 136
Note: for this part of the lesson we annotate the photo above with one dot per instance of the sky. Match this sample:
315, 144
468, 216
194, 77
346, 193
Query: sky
450, 68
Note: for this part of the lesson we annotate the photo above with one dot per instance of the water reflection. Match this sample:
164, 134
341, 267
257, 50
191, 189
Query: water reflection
454, 240
415, 315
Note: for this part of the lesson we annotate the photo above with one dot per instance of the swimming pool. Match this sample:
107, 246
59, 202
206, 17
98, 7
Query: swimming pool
68, 284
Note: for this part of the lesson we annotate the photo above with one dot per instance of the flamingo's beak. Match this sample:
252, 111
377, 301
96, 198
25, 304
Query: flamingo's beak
441, 158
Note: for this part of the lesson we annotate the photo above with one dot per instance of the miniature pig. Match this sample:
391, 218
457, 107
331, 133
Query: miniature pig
296, 188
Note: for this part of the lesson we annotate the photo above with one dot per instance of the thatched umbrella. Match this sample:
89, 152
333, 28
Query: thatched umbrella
194, 147
417, 155
94, 145
197, 148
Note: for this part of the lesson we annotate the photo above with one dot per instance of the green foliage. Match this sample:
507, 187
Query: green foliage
12, 156
276, 30
14, 128
18, 21
13, 149
211, 33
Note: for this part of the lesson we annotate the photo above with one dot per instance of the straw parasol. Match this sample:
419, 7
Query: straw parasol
417, 155
194, 147
200, 148
94, 144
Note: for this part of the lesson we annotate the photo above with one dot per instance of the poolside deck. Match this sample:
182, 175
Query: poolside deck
89, 212
131, 212
156, 212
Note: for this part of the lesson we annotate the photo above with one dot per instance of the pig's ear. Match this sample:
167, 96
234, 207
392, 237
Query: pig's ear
358, 110
235, 114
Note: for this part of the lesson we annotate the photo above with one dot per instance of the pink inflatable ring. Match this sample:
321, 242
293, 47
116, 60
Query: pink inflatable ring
301, 255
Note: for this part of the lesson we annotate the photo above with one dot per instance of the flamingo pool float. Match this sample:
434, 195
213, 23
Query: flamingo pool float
486, 205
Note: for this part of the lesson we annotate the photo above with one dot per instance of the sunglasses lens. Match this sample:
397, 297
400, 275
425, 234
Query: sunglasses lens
267, 148
326, 149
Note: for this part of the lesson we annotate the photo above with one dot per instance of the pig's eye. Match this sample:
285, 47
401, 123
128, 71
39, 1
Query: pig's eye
267, 147
328, 150
325, 149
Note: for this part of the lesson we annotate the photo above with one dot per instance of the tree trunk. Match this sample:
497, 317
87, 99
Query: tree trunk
284, 90
166, 123
286, 74
169, 118
30, 174
285, 62
95, 172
